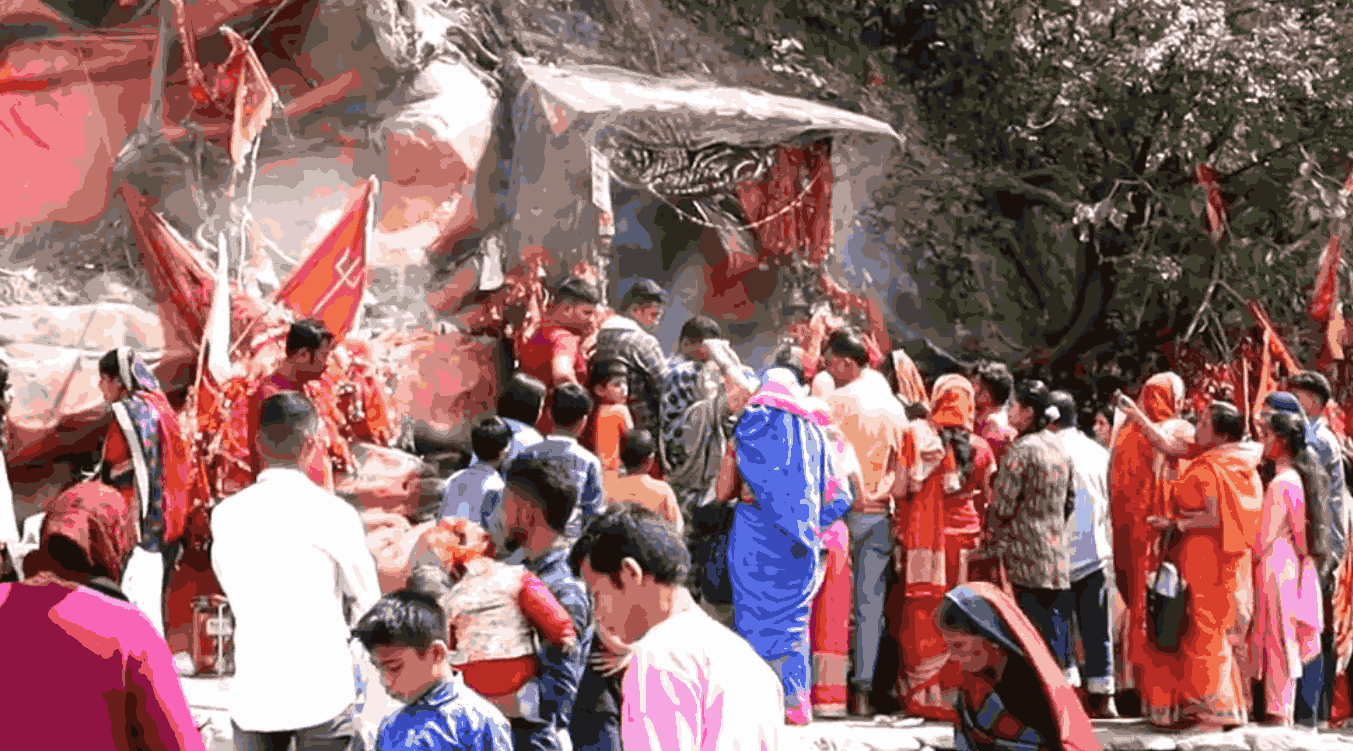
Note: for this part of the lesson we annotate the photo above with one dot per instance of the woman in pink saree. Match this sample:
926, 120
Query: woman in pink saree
1290, 615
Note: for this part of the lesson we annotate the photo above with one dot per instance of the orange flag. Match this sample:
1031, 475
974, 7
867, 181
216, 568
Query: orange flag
1326, 283
332, 281
1216, 205
1266, 383
253, 95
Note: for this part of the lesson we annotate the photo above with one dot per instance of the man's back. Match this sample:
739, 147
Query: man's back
695, 685
874, 421
84, 671
472, 493
1092, 537
286, 552
655, 495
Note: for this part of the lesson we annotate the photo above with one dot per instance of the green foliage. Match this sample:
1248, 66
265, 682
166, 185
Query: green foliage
1053, 192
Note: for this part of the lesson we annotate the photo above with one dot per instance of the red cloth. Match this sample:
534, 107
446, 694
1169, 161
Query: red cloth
87, 672
544, 612
332, 281
1074, 731
536, 356
829, 625
493, 678
98, 519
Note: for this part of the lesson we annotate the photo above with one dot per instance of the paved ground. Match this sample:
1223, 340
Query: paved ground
210, 700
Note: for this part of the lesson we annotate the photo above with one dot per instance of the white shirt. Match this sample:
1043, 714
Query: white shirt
285, 552
693, 685
1090, 546
9, 525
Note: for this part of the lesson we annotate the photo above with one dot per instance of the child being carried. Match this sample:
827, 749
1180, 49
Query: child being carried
494, 611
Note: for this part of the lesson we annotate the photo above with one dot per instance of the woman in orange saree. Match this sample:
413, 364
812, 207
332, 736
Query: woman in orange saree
1145, 454
943, 522
1217, 507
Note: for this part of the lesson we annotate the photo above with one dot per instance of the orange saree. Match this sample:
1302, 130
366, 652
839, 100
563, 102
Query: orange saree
1137, 490
1202, 681
941, 524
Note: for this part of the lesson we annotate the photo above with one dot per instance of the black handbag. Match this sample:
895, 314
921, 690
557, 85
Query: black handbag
1166, 602
711, 525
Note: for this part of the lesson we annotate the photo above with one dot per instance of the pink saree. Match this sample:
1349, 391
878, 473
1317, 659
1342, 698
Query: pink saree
1290, 614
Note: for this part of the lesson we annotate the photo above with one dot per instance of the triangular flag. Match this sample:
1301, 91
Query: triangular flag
254, 96
218, 324
330, 284
1326, 294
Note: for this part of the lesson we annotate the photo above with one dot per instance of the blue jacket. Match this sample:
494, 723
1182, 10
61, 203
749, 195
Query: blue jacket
448, 717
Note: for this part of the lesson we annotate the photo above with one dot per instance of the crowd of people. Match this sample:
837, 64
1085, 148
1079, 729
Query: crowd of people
678, 552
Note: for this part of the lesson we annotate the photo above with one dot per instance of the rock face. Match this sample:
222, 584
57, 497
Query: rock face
53, 355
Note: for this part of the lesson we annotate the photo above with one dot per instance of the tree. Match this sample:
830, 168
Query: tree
1054, 193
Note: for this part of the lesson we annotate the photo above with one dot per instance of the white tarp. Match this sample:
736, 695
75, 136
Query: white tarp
560, 110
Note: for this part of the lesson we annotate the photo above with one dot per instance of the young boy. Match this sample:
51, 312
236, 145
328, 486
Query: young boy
473, 493
636, 485
609, 382
406, 634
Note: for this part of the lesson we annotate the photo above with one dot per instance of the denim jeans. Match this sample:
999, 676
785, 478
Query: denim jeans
871, 546
1050, 610
1092, 595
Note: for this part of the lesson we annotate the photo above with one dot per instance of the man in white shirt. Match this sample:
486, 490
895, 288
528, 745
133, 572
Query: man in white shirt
1091, 552
287, 553
691, 684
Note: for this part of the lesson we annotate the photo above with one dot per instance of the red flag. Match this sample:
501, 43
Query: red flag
1326, 283
253, 95
332, 281
1266, 383
1272, 341
1216, 205
183, 286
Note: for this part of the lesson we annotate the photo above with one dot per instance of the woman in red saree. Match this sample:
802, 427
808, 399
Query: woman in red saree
1004, 658
1145, 455
146, 460
942, 522
1216, 510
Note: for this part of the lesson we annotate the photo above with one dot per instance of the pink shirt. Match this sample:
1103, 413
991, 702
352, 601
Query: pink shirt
85, 671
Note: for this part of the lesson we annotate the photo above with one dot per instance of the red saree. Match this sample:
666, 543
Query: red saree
940, 527
829, 625
1202, 680
1137, 490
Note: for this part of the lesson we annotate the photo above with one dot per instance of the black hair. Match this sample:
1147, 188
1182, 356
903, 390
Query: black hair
578, 290
431, 580
489, 438
522, 399
547, 485
849, 343
888, 368
1034, 395
402, 619
700, 328
108, 366
1226, 421
1315, 485
789, 357
959, 441
628, 530
602, 371
309, 333
1066, 405
1313, 382
638, 446
571, 405
996, 377
285, 421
